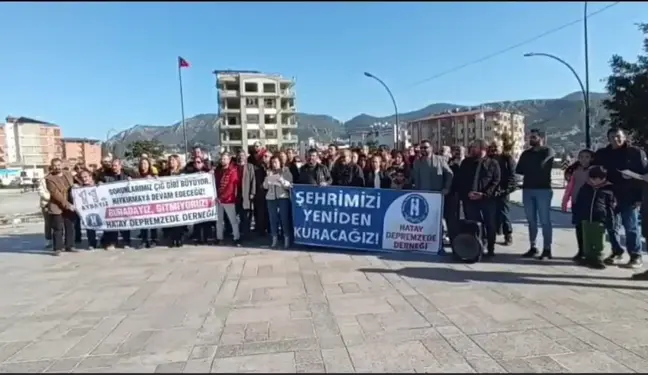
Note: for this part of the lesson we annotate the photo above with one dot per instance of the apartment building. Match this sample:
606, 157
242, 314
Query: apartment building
82, 150
461, 127
3, 142
380, 135
29, 142
256, 107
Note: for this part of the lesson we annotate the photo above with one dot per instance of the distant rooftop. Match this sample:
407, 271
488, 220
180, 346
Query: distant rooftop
459, 112
27, 120
80, 140
232, 72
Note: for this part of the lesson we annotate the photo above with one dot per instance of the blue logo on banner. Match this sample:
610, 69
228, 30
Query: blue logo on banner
415, 209
93, 221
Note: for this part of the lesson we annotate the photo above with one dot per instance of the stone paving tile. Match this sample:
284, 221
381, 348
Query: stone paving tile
208, 309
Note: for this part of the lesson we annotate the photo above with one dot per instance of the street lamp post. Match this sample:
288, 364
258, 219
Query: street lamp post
582, 87
588, 139
396, 124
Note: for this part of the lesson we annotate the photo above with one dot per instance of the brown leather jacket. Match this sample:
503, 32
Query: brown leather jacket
59, 188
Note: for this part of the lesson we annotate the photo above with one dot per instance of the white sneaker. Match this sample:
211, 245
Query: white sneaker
48, 244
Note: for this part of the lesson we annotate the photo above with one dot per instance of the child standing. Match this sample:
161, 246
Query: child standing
577, 175
594, 212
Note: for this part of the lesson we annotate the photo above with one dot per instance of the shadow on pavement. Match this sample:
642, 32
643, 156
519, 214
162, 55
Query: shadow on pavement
28, 243
461, 276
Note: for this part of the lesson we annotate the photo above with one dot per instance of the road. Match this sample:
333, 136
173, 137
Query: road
202, 309
13, 202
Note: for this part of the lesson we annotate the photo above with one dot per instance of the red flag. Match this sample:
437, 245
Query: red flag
182, 63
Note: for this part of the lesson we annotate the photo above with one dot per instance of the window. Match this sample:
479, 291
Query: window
232, 120
252, 119
269, 88
270, 119
252, 102
251, 87
253, 134
269, 103
271, 134
233, 103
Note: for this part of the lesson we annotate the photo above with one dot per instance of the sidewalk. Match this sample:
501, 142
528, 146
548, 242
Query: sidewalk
226, 309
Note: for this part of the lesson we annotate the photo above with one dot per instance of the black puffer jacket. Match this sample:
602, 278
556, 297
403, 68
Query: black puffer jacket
627, 191
347, 175
488, 178
507, 174
314, 174
595, 204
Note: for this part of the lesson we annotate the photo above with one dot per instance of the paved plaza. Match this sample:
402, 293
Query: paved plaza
202, 309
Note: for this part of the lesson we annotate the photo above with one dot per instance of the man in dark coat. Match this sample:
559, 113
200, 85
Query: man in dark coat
506, 187
375, 177
246, 192
619, 156
478, 181
345, 173
110, 238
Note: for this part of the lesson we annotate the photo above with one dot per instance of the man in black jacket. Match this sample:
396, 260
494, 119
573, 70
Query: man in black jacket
375, 176
110, 238
479, 179
616, 157
452, 202
535, 165
506, 187
346, 173
314, 172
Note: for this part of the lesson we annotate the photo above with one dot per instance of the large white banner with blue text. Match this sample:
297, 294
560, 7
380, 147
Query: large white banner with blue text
147, 203
367, 219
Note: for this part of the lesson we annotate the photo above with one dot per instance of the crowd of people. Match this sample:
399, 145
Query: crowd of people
254, 193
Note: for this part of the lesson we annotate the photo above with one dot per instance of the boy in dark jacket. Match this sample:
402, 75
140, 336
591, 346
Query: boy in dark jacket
594, 213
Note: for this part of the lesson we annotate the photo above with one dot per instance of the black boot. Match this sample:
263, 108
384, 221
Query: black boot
531, 253
546, 254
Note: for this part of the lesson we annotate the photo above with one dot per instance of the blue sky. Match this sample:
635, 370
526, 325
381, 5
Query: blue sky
90, 67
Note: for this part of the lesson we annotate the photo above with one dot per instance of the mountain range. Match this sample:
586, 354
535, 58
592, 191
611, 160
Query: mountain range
561, 119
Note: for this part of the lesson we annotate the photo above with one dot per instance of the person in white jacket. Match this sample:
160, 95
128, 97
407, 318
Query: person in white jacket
44, 195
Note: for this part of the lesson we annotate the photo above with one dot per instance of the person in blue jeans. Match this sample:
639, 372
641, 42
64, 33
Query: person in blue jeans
616, 157
535, 165
277, 183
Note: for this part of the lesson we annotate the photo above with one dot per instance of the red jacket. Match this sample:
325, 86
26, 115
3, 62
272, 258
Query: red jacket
227, 180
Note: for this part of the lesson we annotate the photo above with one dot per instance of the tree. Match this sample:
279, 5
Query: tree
154, 149
627, 87
508, 142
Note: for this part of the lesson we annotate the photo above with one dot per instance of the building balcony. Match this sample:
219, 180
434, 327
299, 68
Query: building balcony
290, 138
231, 141
230, 110
289, 93
227, 93
288, 109
231, 126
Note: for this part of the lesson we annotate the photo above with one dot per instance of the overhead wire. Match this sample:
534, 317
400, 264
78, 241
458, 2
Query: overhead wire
509, 48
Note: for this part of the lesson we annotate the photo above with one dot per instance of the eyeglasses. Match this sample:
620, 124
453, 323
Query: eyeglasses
424, 147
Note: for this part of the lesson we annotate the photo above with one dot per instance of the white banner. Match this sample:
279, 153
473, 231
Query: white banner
147, 203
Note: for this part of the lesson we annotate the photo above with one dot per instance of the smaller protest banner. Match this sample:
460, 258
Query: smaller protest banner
367, 219
147, 203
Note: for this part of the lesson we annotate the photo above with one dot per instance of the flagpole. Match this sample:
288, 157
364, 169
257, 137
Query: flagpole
184, 129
